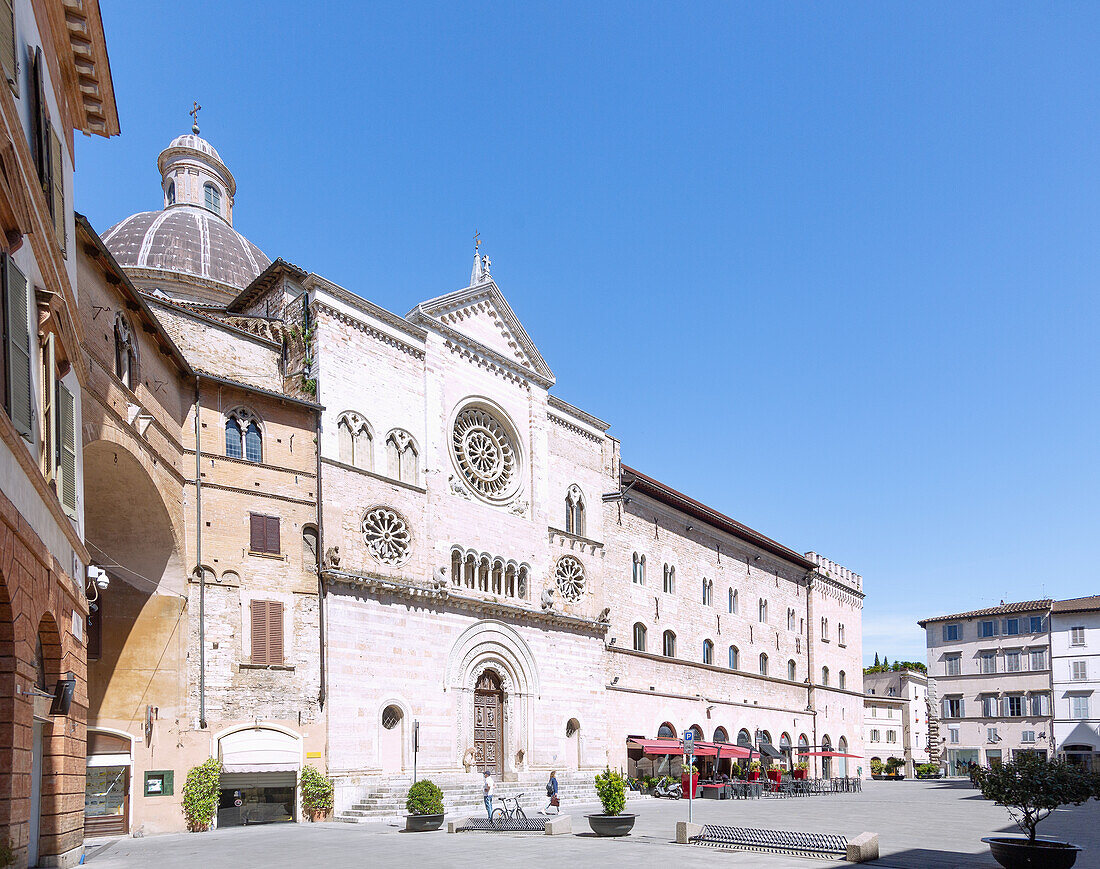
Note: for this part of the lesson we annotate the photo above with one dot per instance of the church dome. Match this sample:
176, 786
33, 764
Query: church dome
189, 249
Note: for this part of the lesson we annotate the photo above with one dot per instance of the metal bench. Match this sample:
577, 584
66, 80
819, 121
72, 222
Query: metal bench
827, 846
508, 825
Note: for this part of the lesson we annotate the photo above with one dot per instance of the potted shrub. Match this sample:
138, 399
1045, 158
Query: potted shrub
689, 779
425, 807
876, 768
928, 770
801, 769
316, 793
754, 771
1031, 787
893, 764
613, 821
200, 795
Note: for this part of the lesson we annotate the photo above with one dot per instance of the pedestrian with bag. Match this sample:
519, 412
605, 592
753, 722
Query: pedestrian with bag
552, 793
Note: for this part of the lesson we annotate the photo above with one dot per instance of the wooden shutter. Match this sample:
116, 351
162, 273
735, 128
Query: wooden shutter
40, 120
257, 532
57, 189
66, 445
7, 43
259, 632
18, 348
274, 632
272, 535
49, 409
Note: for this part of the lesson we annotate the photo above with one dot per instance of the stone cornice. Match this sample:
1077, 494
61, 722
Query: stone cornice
316, 282
210, 320
385, 337
571, 410
573, 427
836, 589
453, 597
572, 540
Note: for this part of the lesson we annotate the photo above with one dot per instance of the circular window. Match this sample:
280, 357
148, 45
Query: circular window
391, 717
570, 578
485, 453
387, 535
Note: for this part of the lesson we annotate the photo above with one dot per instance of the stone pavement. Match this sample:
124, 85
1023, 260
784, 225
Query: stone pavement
921, 825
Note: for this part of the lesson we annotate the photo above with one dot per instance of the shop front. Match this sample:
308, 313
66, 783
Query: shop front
107, 785
959, 760
259, 777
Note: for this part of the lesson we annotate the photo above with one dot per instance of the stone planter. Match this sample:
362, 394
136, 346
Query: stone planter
317, 815
423, 823
611, 825
1016, 852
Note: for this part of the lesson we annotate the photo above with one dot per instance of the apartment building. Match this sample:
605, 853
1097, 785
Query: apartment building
1075, 659
895, 717
990, 670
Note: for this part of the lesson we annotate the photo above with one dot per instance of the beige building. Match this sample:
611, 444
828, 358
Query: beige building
990, 672
895, 718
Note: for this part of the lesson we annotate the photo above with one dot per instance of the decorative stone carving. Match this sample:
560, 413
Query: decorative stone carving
570, 579
387, 536
332, 557
457, 488
484, 453
520, 508
605, 616
439, 579
547, 599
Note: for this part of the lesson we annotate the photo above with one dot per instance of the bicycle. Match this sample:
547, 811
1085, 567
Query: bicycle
504, 813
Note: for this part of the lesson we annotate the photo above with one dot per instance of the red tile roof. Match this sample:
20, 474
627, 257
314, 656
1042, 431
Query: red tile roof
1018, 607
1077, 604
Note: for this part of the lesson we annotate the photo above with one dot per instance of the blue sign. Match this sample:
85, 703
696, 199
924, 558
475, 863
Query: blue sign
689, 742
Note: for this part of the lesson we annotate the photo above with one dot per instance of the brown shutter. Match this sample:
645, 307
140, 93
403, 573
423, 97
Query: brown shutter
7, 43
257, 532
273, 535
40, 120
259, 631
18, 348
274, 632
49, 409
57, 189
66, 443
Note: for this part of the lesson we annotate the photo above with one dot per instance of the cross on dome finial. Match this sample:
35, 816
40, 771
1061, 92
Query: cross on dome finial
194, 113
479, 274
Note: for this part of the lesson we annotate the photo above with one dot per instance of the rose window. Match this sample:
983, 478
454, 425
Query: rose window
484, 452
570, 578
387, 535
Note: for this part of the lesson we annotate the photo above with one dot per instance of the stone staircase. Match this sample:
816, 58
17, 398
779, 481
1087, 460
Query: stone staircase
462, 794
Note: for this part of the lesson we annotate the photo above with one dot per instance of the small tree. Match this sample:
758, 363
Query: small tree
425, 798
200, 795
877, 664
612, 791
1031, 787
317, 791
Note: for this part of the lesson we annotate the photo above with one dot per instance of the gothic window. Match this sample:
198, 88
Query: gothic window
310, 558
356, 441
639, 637
708, 652
763, 664
484, 451
574, 511
841, 680
669, 644
825, 676
824, 629
483, 573
125, 360
570, 579
790, 619
670, 579
733, 600
387, 535
402, 456
708, 592
243, 438
733, 659
840, 634
762, 607
638, 575
792, 670
212, 198
171, 192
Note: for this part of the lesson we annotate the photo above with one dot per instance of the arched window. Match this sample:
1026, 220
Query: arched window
639, 637
841, 680
744, 737
402, 456
669, 646
212, 198
840, 634
733, 600
785, 744
125, 360
790, 619
825, 676
639, 569
824, 628
171, 195
720, 735
763, 664
243, 438
708, 652
310, 554
762, 606
792, 670
733, 657
708, 592
574, 511
698, 732
356, 441
666, 731
670, 579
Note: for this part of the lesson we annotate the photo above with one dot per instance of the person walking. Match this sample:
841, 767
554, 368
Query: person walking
489, 785
552, 792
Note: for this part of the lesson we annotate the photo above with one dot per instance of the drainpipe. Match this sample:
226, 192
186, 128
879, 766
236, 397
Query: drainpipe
198, 558
321, 696
810, 662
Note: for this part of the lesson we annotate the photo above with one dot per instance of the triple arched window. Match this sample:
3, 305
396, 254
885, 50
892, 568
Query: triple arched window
402, 456
708, 652
356, 441
243, 436
574, 511
639, 637
212, 198
638, 576
125, 358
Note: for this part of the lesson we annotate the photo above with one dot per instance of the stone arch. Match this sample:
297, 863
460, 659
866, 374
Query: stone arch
666, 730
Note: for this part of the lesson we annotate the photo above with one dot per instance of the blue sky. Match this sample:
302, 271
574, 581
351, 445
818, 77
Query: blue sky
830, 268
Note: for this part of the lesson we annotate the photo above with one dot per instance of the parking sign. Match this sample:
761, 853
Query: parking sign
689, 742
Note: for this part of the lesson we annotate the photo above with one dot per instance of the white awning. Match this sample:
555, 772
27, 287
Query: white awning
260, 750
259, 767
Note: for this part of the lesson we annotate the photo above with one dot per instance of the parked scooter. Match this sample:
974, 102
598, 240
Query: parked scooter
670, 789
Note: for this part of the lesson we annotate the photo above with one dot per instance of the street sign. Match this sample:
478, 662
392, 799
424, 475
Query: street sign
689, 742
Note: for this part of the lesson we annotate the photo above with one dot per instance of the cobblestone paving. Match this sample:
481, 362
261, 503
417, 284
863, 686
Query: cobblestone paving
921, 825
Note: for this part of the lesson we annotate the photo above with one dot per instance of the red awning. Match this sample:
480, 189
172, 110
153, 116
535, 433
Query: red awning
658, 746
827, 754
726, 749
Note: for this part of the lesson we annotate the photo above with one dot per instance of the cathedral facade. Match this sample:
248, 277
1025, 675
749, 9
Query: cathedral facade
469, 574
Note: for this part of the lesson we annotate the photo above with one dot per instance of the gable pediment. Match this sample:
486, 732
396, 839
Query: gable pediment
483, 317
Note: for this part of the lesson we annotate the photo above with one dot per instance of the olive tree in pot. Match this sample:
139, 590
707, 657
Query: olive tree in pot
1031, 787
612, 793
200, 795
317, 793
425, 807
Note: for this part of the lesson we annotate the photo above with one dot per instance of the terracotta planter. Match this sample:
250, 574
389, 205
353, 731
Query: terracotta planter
423, 823
318, 815
611, 825
1016, 852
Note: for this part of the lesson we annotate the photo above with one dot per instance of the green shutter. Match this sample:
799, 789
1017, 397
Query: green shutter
57, 189
66, 442
7, 43
19, 404
49, 409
